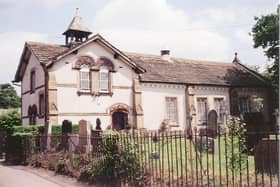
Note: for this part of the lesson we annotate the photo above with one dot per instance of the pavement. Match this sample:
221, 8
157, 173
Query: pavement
23, 176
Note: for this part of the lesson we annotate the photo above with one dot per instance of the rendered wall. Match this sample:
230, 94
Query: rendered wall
75, 107
154, 105
32, 98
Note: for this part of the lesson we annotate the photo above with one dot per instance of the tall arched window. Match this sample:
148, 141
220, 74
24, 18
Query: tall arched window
84, 78
104, 79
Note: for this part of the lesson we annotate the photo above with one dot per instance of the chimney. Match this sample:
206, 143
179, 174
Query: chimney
165, 54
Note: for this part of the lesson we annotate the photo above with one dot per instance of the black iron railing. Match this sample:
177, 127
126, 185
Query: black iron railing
177, 158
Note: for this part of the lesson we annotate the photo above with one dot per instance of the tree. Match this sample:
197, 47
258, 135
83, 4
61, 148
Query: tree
7, 121
266, 35
8, 96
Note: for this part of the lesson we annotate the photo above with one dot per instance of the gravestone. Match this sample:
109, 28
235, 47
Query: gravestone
85, 136
66, 129
212, 124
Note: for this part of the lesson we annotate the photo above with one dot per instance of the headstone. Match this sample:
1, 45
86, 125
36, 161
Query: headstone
65, 130
212, 124
85, 136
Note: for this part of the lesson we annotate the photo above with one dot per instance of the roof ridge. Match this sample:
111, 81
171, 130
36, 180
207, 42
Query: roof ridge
45, 43
182, 59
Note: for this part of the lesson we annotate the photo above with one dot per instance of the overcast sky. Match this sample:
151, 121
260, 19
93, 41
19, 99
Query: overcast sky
206, 30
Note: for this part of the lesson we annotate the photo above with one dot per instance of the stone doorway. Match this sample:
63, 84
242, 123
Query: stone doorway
119, 120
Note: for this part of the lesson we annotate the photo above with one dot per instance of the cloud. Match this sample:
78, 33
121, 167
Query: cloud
11, 47
147, 26
50, 4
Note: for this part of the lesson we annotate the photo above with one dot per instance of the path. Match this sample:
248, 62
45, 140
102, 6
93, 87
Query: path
15, 176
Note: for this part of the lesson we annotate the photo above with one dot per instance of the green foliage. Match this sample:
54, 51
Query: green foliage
57, 129
20, 147
236, 144
266, 35
34, 129
7, 121
116, 159
8, 96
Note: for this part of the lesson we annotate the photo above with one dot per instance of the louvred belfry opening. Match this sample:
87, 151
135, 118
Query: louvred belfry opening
76, 32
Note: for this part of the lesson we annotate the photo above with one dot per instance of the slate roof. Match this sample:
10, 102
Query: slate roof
187, 71
45, 52
77, 24
177, 70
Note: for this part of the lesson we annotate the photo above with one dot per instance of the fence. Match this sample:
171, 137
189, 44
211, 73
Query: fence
176, 158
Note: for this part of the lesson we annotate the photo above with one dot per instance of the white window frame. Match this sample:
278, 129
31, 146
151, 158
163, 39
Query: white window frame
104, 72
220, 101
172, 111
85, 80
201, 115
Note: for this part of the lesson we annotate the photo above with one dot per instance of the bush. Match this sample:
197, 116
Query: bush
57, 129
116, 159
236, 143
34, 129
20, 146
7, 121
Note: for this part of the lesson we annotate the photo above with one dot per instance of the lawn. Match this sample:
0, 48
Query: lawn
176, 160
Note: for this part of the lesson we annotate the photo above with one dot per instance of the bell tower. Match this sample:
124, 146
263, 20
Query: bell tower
76, 32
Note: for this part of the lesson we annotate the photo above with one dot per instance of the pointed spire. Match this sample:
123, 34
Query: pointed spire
77, 12
76, 30
236, 59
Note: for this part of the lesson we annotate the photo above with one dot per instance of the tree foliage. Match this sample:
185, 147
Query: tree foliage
8, 96
266, 35
7, 121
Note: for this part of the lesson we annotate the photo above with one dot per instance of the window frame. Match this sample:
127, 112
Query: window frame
41, 105
220, 116
244, 101
84, 69
32, 81
176, 112
205, 106
104, 70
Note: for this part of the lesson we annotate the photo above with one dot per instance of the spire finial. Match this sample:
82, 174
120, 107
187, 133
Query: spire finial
77, 12
236, 59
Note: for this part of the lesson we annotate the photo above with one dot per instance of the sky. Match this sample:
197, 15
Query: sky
205, 30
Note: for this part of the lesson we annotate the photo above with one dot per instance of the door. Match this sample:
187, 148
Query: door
119, 120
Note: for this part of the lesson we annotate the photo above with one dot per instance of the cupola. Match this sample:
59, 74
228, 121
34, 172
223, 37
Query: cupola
76, 32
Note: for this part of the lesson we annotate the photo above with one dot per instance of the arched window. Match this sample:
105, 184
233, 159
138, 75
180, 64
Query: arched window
85, 77
32, 114
104, 79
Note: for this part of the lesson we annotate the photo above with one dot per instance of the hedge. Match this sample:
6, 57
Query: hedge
57, 129
39, 129
34, 129
19, 147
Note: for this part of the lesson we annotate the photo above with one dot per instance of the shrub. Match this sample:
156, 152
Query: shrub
20, 146
57, 129
236, 144
116, 159
7, 121
34, 129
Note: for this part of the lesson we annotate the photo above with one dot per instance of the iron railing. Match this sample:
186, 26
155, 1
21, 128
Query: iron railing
177, 158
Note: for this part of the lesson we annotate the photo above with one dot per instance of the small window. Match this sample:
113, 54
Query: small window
219, 104
41, 104
201, 110
32, 113
171, 108
104, 79
84, 78
32, 81
244, 105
